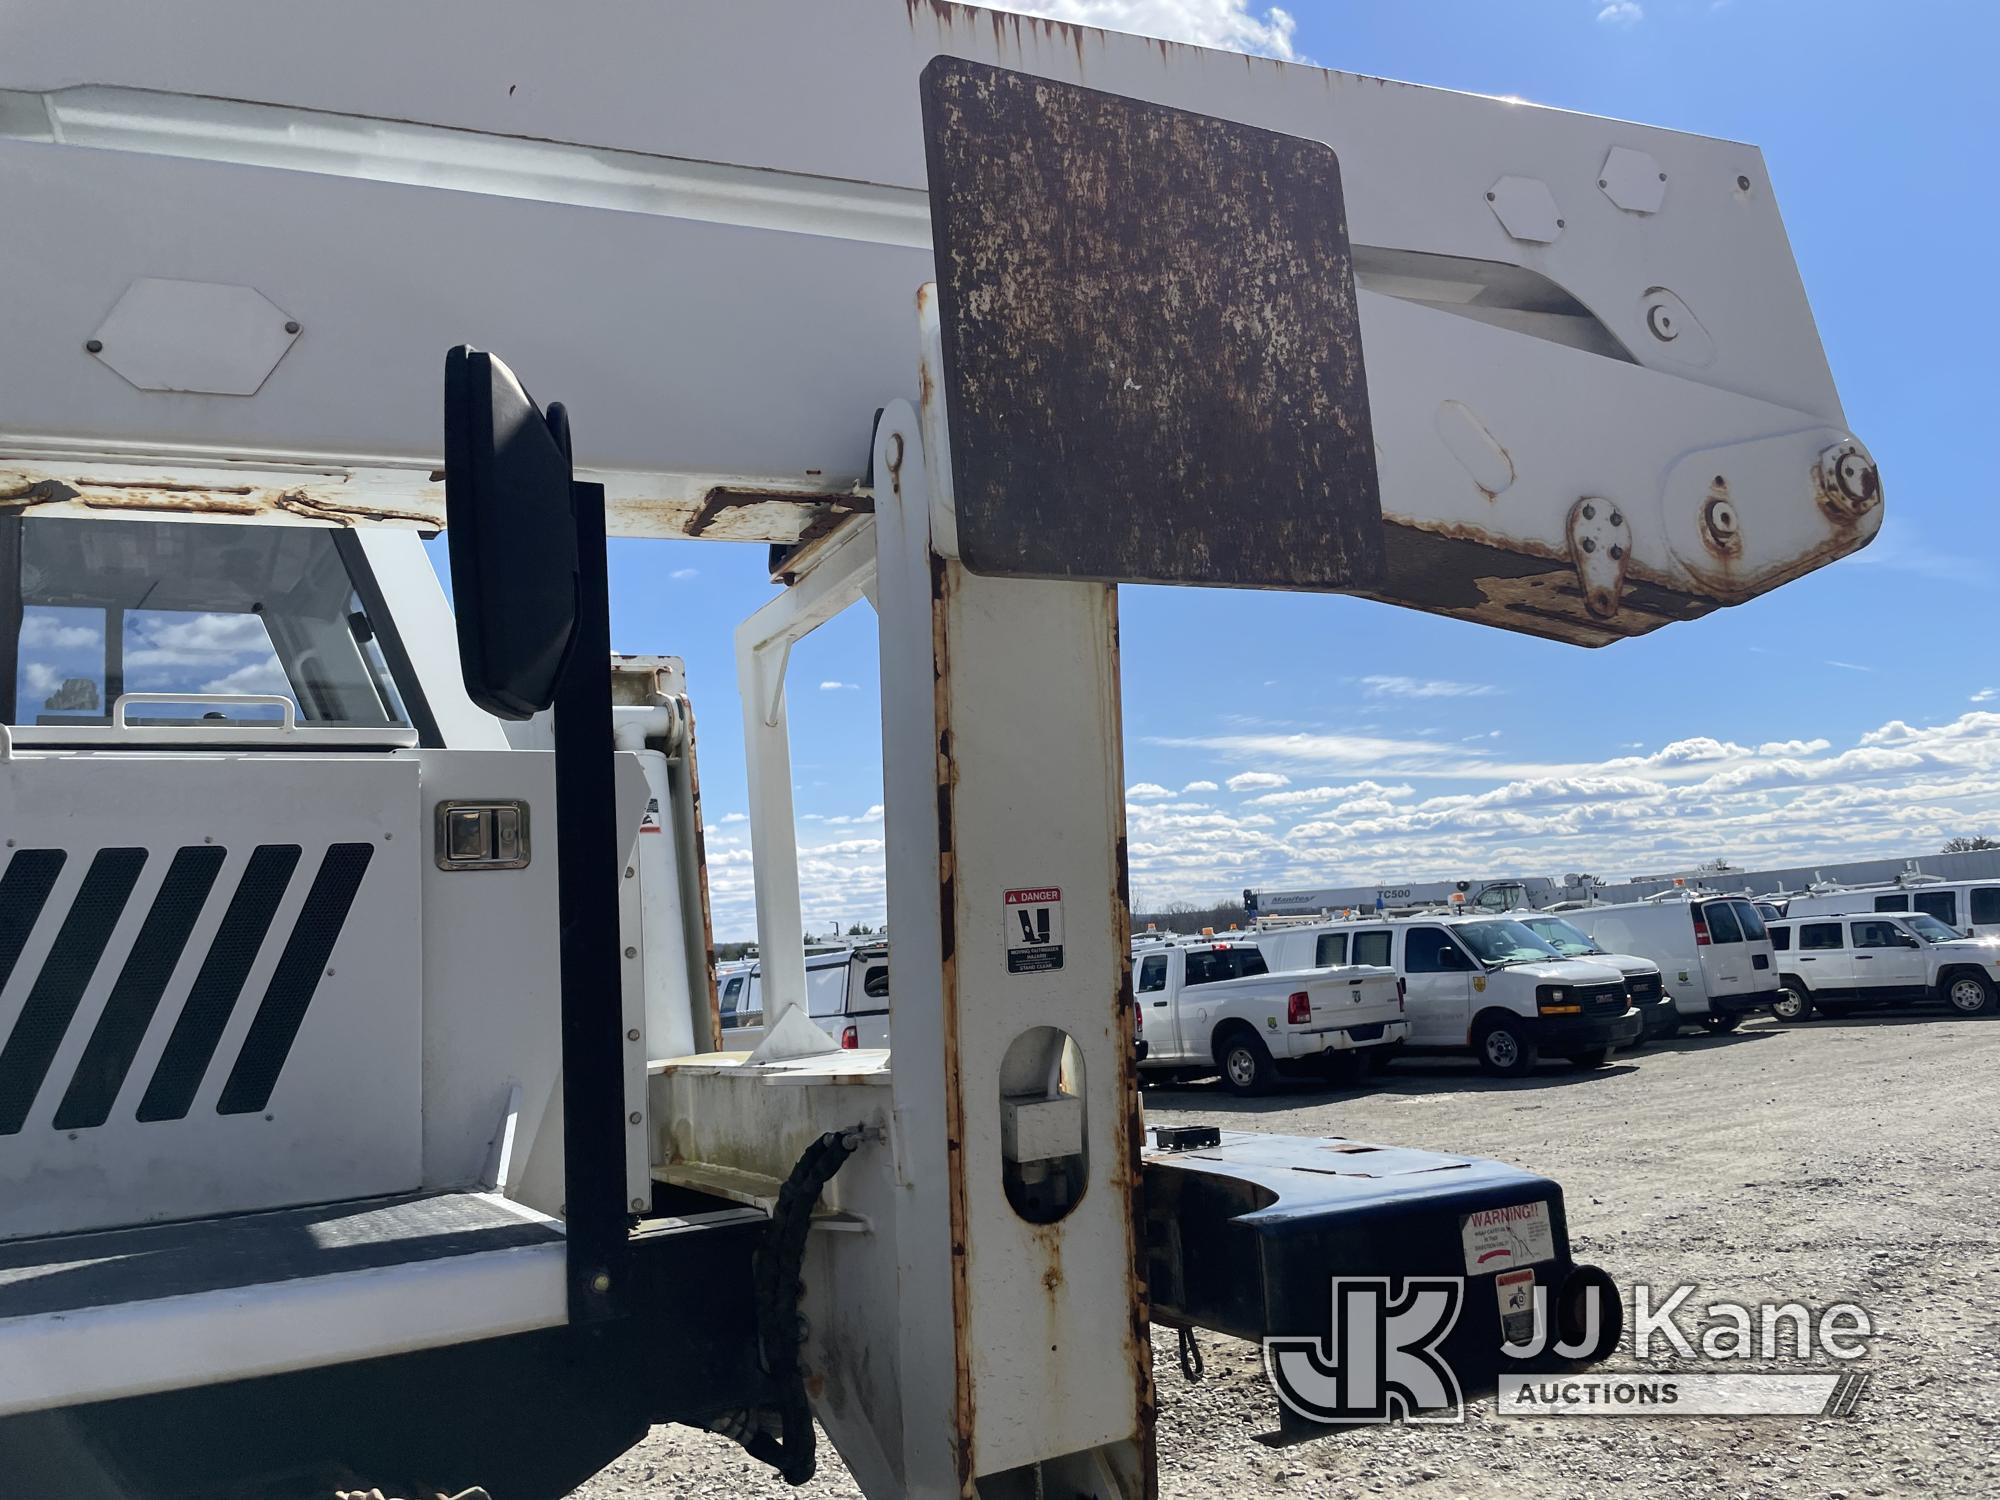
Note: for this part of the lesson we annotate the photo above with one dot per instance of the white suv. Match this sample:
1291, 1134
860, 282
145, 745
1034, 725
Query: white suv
1839, 964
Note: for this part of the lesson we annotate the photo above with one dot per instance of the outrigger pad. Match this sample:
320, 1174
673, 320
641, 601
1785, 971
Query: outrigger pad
1152, 357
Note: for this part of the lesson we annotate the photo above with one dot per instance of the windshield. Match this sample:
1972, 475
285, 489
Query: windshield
1503, 942
1569, 941
1929, 928
223, 618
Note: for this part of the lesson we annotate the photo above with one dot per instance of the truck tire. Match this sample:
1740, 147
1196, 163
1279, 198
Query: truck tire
1793, 1004
1504, 1047
1244, 1063
1969, 992
1716, 1025
1591, 1057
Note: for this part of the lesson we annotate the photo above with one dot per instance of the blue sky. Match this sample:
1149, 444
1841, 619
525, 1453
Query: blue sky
1846, 714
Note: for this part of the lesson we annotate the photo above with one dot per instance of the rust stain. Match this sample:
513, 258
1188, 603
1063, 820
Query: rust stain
1128, 1172
954, 1102
1189, 283
701, 881
824, 510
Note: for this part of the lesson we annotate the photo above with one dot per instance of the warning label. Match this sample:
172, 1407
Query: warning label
1498, 1239
1031, 930
1514, 1291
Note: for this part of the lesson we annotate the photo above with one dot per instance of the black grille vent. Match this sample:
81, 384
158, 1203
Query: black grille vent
51, 1004
276, 1025
198, 1031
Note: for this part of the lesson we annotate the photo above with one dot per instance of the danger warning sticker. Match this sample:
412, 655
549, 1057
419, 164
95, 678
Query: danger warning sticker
1031, 929
1499, 1239
1514, 1293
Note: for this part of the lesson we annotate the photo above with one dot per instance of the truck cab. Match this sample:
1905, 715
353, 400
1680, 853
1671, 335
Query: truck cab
1215, 1006
1488, 985
1836, 965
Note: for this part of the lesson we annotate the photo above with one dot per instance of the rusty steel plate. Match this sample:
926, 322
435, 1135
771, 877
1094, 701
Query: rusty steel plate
1152, 359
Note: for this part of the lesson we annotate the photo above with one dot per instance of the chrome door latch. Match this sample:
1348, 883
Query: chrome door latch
482, 835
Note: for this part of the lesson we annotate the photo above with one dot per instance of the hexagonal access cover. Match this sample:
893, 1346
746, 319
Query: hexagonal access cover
197, 336
1526, 209
1633, 180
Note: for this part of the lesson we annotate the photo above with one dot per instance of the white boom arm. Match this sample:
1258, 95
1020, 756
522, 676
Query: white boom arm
1555, 309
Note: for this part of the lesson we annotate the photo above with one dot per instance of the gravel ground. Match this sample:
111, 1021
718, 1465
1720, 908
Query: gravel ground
1839, 1161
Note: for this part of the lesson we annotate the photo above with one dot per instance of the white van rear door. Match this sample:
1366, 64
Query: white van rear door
1725, 954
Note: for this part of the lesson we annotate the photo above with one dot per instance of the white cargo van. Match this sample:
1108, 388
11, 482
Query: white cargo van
1713, 951
1644, 987
1489, 985
1970, 907
1838, 965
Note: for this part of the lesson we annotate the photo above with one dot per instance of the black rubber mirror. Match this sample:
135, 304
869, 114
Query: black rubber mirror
511, 529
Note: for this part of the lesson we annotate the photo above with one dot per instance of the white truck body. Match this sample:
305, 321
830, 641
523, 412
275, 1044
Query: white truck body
1713, 951
1192, 1018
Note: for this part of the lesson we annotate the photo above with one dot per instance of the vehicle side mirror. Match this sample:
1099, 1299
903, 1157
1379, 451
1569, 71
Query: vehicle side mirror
1455, 958
511, 530
1910, 940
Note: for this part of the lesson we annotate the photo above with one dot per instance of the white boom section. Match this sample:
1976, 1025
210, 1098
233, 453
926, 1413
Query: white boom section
702, 226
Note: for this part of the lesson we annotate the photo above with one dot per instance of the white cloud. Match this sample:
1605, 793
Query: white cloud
206, 635
736, 817
1250, 781
831, 686
1147, 791
257, 677
1849, 666
1199, 786
684, 574
1985, 695
49, 633
1425, 687
1622, 13
1899, 789
1235, 25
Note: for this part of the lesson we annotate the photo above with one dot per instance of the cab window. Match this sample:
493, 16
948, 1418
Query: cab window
1153, 973
1819, 936
1878, 935
214, 613
1940, 904
1754, 930
1781, 939
1892, 903
1372, 948
1330, 950
1430, 950
1985, 905
875, 984
1722, 924
1218, 964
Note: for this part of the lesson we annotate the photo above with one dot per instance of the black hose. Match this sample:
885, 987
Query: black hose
778, 1267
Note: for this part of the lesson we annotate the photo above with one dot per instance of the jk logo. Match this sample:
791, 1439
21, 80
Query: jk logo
1036, 931
1380, 1358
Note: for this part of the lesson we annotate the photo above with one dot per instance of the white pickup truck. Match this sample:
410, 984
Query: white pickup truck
1216, 1007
